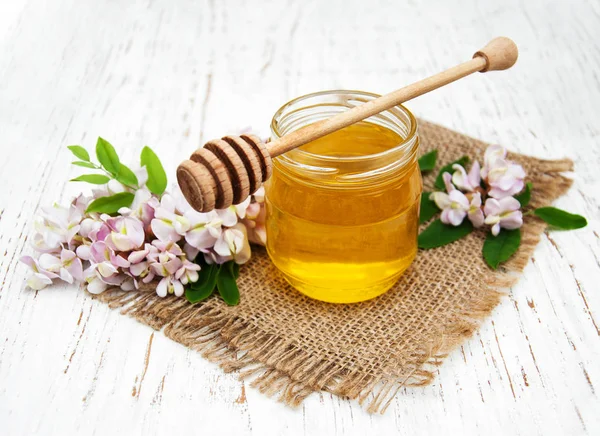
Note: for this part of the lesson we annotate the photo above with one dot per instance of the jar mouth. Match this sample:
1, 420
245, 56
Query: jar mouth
346, 99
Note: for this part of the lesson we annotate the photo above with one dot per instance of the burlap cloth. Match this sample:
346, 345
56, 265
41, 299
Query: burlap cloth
291, 346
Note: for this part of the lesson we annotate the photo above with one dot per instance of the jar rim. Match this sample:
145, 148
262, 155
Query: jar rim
412, 132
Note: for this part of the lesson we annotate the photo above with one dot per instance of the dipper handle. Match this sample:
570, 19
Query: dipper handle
499, 54
225, 171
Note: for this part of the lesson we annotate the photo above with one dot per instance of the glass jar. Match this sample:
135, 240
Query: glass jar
343, 210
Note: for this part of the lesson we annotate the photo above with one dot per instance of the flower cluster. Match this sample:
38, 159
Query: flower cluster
484, 195
153, 237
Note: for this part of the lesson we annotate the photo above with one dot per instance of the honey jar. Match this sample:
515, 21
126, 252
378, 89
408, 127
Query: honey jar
343, 210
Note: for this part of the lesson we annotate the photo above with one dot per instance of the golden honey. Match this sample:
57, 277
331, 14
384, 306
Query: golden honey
342, 211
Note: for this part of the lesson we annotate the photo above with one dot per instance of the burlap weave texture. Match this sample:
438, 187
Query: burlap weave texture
291, 346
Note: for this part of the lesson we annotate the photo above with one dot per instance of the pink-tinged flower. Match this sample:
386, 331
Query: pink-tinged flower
229, 216
447, 178
89, 228
104, 270
505, 179
139, 264
106, 259
168, 224
492, 154
454, 206
169, 285
46, 241
466, 182
142, 207
57, 225
40, 278
142, 176
165, 264
68, 266
100, 276
128, 284
233, 244
188, 272
126, 233
503, 213
204, 229
88, 233
166, 247
475, 214
259, 195
255, 223
191, 252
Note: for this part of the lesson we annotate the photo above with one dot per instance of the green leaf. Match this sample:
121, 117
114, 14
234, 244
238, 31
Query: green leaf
439, 234
107, 156
428, 208
196, 295
498, 249
439, 181
524, 197
205, 285
96, 179
79, 152
427, 161
236, 270
111, 204
560, 218
157, 179
80, 163
226, 284
126, 176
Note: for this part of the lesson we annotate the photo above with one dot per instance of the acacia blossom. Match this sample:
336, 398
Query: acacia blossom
504, 177
67, 266
57, 225
466, 182
40, 277
255, 219
169, 224
455, 205
165, 263
154, 239
232, 245
503, 213
125, 233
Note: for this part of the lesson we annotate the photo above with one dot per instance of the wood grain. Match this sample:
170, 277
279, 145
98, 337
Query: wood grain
175, 74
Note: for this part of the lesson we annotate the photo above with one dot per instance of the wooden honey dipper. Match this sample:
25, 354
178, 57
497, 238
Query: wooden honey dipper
225, 171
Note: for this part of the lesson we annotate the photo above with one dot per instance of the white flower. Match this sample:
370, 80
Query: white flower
233, 244
126, 233
505, 179
204, 229
188, 272
229, 216
169, 225
454, 206
40, 277
68, 266
142, 207
475, 213
466, 182
503, 213
492, 154
57, 225
169, 285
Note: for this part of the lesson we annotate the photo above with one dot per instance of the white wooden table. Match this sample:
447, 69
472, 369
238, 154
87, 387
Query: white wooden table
172, 74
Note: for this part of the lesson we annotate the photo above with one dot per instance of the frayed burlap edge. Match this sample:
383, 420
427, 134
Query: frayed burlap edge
277, 367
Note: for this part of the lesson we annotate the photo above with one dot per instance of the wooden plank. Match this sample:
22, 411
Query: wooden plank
174, 74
